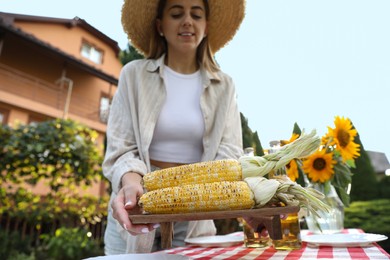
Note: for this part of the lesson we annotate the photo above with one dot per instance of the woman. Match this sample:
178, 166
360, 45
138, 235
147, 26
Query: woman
175, 107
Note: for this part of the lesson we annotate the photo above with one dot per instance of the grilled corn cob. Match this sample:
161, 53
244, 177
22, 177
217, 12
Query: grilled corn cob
253, 192
203, 197
230, 169
220, 170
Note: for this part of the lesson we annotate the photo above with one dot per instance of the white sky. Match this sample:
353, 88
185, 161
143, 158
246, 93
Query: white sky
303, 61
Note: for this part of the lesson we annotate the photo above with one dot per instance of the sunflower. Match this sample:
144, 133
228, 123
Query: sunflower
292, 139
319, 166
292, 170
342, 136
291, 167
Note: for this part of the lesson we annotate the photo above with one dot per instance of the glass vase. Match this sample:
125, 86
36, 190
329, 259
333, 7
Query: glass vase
327, 223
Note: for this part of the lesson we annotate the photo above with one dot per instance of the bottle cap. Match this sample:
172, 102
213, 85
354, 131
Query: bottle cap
274, 143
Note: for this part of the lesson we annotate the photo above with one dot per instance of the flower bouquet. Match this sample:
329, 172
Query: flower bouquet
329, 171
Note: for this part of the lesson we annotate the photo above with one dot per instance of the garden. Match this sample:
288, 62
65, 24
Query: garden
62, 223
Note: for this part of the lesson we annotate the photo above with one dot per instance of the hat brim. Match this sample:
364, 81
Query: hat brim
138, 20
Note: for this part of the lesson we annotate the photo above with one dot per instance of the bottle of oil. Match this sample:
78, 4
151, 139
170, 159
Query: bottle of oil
291, 232
254, 237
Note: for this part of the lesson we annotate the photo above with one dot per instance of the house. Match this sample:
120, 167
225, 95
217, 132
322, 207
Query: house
380, 163
56, 68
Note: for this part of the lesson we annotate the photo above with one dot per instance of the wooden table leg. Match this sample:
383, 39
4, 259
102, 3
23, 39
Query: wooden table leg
273, 225
166, 234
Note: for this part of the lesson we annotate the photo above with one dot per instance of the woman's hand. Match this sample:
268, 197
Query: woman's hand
258, 225
126, 199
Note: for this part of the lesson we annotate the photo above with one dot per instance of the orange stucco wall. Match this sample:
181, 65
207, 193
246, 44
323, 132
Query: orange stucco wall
70, 39
35, 89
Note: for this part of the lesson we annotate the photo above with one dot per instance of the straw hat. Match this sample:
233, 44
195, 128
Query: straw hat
138, 20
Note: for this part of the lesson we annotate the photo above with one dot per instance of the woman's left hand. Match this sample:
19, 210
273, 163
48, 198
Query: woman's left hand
125, 200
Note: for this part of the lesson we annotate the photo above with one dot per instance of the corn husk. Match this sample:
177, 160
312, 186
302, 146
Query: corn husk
263, 189
272, 191
302, 147
305, 197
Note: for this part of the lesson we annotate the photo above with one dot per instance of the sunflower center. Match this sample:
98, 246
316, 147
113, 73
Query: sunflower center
319, 164
343, 137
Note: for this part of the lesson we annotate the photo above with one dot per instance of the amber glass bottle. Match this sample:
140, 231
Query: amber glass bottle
291, 231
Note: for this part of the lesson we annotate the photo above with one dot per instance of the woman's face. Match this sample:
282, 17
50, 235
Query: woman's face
183, 25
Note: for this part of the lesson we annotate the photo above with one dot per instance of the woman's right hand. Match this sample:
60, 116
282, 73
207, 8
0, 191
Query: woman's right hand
258, 225
127, 199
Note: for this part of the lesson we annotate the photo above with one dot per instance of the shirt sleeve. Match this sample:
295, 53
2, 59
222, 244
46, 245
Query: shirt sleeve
122, 154
231, 142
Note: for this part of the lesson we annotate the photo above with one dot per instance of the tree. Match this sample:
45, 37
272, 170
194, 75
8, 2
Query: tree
246, 132
129, 54
258, 147
250, 139
364, 183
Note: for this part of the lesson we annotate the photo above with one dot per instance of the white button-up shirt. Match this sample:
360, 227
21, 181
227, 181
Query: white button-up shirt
133, 115
135, 109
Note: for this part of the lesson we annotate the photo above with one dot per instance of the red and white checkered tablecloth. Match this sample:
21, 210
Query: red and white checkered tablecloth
374, 251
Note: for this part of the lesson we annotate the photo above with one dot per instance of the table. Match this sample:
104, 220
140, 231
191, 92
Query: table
323, 252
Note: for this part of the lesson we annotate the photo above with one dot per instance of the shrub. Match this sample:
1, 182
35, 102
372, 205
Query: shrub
371, 216
68, 243
63, 152
13, 246
384, 184
64, 155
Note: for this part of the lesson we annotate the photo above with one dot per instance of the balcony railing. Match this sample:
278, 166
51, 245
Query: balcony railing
35, 89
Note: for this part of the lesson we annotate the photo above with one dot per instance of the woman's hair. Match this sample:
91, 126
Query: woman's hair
158, 44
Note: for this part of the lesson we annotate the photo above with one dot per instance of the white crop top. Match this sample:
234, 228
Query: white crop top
178, 135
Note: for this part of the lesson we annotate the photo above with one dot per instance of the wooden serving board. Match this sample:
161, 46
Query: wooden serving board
137, 217
270, 216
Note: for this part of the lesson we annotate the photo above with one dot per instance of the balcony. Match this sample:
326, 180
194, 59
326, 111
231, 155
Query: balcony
35, 94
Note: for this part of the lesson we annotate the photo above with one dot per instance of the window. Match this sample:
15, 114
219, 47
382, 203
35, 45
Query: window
35, 119
90, 52
104, 108
3, 116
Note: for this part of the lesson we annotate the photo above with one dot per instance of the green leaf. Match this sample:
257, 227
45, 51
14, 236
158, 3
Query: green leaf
297, 129
326, 187
342, 176
351, 163
343, 196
